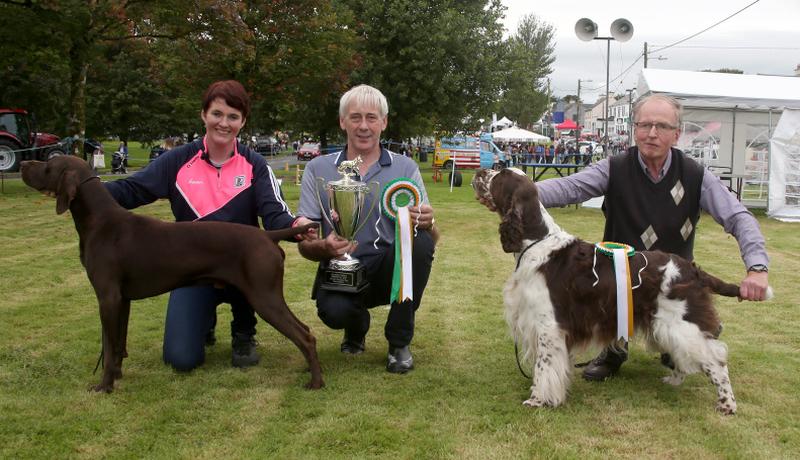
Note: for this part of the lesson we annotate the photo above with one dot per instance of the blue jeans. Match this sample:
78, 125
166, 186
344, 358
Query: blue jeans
192, 313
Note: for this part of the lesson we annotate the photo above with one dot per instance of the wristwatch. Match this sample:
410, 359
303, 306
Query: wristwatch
759, 268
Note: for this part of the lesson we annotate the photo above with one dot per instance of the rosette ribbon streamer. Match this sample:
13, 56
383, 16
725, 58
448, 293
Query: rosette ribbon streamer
398, 196
620, 254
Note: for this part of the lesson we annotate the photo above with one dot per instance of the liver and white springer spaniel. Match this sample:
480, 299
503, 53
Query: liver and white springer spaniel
553, 306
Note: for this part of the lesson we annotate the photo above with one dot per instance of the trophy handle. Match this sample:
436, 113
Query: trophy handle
321, 181
375, 188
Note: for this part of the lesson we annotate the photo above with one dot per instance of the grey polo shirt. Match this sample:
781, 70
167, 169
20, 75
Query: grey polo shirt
714, 199
380, 229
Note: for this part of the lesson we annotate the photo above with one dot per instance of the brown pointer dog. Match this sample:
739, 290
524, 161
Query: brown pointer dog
121, 268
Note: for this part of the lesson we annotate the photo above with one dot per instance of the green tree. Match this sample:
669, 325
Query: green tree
438, 63
34, 61
127, 97
530, 55
293, 56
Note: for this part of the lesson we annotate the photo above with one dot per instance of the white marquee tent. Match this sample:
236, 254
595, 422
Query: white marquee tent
784, 169
502, 123
728, 120
518, 135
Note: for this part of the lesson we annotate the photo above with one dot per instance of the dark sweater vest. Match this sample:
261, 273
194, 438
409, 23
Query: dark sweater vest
650, 216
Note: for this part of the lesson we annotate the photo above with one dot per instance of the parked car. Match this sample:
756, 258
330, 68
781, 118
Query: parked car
265, 145
308, 151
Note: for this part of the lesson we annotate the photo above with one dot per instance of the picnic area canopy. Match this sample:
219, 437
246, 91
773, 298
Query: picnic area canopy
567, 125
519, 135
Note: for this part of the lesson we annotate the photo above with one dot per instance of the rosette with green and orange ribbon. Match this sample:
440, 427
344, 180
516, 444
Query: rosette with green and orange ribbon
398, 193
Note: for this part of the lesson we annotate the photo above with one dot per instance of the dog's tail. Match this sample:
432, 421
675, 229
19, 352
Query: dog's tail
717, 285
721, 287
284, 233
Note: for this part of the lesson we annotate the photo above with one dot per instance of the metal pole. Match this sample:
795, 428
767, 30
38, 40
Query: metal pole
645, 55
608, 68
630, 116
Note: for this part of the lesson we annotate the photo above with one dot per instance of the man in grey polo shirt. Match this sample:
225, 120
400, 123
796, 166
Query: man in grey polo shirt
363, 116
653, 197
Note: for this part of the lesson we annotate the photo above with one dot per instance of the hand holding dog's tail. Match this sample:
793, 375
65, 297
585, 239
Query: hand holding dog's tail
282, 234
727, 289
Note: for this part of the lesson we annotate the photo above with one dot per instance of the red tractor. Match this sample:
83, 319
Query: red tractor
19, 141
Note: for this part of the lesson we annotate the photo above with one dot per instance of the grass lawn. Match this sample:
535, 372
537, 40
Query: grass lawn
462, 401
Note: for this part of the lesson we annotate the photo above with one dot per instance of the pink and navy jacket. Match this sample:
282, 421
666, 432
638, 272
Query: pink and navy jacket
239, 191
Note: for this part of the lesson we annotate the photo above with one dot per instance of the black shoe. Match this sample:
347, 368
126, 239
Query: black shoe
211, 339
400, 360
243, 353
352, 346
605, 365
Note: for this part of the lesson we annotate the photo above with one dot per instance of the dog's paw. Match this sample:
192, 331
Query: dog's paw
726, 406
673, 380
100, 388
533, 402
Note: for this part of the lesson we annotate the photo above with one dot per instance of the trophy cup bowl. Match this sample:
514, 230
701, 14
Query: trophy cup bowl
346, 203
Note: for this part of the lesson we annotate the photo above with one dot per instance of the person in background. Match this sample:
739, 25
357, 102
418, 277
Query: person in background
213, 178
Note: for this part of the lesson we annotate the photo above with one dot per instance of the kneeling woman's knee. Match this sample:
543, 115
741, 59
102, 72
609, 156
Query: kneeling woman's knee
183, 358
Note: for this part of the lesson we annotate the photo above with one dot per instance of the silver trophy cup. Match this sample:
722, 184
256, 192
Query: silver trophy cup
346, 199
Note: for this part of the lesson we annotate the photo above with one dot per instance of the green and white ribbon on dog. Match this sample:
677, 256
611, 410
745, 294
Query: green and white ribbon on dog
398, 195
619, 253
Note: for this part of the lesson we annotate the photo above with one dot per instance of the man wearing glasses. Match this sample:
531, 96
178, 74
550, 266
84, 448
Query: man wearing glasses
653, 197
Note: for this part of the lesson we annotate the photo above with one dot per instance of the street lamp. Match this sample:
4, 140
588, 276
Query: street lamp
580, 105
622, 31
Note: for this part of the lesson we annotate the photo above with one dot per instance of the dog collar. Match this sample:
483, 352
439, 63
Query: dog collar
522, 253
88, 179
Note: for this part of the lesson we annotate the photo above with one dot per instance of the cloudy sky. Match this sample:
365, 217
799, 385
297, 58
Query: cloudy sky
762, 39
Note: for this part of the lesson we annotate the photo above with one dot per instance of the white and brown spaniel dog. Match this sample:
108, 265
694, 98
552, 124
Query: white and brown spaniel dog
555, 304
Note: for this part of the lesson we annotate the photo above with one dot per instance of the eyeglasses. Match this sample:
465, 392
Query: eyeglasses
660, 127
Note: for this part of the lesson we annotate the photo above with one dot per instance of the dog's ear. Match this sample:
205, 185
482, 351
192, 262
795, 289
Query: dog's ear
511, 227
66, 190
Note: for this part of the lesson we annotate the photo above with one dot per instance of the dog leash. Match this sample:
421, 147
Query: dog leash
99, 358
519, 259
519, 365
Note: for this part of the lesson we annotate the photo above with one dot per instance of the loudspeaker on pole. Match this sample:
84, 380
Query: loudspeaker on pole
621, 30
586, 29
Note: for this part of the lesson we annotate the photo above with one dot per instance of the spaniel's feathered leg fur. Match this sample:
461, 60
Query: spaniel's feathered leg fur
543, 342
691, 349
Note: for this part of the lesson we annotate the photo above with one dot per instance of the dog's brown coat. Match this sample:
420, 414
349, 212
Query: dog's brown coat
129, 256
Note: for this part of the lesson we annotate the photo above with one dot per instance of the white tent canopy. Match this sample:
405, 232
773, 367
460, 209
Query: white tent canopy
518, 135
728, 121
711, 89
502, 123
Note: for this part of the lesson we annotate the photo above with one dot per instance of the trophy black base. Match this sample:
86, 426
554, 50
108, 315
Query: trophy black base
350, 281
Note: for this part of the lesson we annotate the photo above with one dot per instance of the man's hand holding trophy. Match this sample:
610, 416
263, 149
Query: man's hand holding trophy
346, 215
